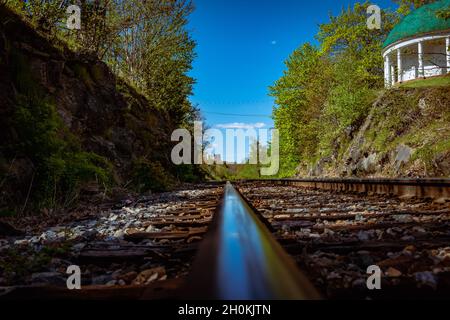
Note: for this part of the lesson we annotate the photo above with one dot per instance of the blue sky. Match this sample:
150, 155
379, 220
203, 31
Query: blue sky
241, 48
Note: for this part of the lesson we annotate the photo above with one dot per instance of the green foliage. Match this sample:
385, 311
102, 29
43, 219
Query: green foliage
405, 6
347, 35
326, 91
189, 173
17, 263
350, 98
233, 172
300, 95
147, 45
417, 118
7, 213
144, 42
444, 14
60, 166
426, 83
150, 175
82, 73
428, 152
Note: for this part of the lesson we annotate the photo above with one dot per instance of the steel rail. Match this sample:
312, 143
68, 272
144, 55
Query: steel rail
241, 260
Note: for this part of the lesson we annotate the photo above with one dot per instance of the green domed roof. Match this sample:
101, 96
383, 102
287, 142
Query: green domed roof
420, 21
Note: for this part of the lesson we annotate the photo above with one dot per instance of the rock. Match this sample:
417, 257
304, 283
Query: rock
442, 254
296, 210
48, 236
128, 277
422, 104
152, 228
368, 164
403, 154
137, 224
407, 238
116, 274
419, 230
359, 283
57, 229
393, 273
119, 234
49, 278
111, 283
22, 242
426, 278
366, 258
128, 210
363, 235
102, 280
90, 234
403, 218
78, 247
4, 245
410, 249
392, 231
194, 239
91, 223
149, 275
61, 235
34, 240
333, 275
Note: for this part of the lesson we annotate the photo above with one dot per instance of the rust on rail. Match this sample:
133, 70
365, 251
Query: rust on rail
240, 259
438, 189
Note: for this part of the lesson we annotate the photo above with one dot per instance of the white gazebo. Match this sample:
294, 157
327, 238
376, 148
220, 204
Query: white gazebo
419, 46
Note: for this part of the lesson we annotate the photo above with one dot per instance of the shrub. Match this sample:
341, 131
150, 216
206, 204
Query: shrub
60, 165
148, 175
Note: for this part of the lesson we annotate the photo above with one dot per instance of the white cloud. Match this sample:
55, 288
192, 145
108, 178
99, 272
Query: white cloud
241, 125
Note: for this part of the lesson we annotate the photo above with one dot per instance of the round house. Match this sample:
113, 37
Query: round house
419, 46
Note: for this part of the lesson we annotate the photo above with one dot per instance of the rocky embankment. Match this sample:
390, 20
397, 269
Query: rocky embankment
405, 134
67, 118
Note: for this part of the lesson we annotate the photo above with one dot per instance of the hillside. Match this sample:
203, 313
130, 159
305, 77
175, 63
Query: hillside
69, 126
406, 133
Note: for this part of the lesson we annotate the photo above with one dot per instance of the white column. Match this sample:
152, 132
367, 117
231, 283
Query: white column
447, 50
387, 71
420, 57
399, 65
392, 75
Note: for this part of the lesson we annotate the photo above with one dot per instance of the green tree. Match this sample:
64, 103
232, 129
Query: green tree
300, 95
405, 6
324, 93
347, 34
144, 42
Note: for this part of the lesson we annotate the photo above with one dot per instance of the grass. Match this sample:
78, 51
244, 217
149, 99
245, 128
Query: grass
439, 81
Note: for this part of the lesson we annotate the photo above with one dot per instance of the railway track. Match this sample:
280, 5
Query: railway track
251, 241
336, 235
240, 259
